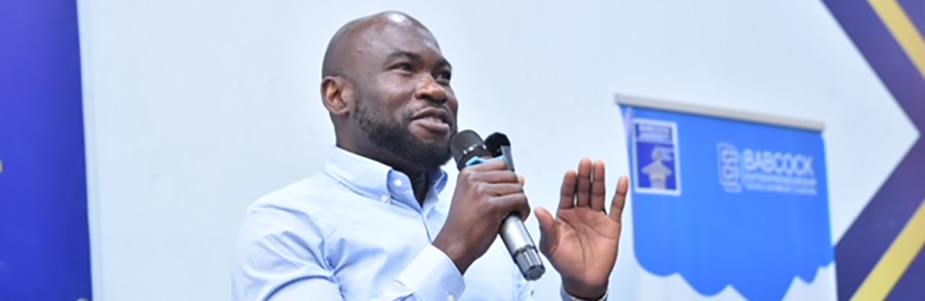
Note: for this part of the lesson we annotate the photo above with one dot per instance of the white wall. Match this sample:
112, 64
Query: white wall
195, 108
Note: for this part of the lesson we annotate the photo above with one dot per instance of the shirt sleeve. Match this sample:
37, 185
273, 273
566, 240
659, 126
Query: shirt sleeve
431, 276
525, 292
281, 257
566, 297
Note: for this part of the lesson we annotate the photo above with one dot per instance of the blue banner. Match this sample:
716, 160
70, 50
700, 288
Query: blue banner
724, 202
44, 235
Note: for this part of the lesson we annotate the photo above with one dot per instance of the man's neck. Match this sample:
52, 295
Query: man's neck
419, 178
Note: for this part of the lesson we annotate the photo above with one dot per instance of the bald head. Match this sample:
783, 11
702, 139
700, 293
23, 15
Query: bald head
387, 87
355, 37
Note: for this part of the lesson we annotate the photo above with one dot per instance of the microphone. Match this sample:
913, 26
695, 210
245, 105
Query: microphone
500, 146
468, 150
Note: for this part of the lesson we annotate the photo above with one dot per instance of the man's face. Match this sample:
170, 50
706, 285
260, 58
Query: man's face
404, 101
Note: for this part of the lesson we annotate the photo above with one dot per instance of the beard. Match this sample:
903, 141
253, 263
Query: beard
395, 137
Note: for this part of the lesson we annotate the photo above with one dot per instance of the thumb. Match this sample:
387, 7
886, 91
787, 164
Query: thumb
549, 235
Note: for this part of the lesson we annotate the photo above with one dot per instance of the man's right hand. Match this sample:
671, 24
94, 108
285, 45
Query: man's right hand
485, 195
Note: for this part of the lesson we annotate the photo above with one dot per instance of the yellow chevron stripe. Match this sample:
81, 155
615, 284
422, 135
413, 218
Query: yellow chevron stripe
895, 261
903, 30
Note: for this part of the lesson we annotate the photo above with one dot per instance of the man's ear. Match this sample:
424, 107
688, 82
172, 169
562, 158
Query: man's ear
337, 95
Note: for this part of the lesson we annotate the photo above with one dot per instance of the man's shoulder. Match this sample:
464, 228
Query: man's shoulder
299, 195
285, 220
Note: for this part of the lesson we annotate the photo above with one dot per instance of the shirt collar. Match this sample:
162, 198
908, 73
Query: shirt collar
371, 178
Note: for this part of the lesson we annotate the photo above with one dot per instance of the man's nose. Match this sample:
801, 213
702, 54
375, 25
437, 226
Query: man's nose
432, 91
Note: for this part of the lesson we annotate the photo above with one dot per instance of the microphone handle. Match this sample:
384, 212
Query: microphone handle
514, 234
520, 245
517, 239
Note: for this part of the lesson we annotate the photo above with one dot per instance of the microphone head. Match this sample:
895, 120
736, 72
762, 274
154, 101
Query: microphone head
495, 141
466, 145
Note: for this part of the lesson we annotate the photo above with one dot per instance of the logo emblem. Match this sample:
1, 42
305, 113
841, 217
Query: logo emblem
728, 157
655, 150
765, 171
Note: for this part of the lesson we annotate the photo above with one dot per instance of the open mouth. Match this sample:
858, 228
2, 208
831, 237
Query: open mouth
434, 120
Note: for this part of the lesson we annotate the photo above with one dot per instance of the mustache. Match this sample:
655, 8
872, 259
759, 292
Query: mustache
410, 115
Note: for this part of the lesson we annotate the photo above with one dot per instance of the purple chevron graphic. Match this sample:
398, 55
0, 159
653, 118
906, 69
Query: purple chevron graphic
892, 206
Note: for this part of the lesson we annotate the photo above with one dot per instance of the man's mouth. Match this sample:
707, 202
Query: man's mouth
433, 120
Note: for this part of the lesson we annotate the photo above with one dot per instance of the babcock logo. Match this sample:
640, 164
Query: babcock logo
765, 171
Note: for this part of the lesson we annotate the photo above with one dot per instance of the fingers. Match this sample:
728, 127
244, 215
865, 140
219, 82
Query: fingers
500, 189
489, 166
567, 193
598, 187
584, 183
495, 176
549, 235
619, 200
509, 196
588, 186
516, 203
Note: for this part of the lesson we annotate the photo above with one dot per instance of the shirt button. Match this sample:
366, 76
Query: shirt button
398, 183
451, 298
384, 198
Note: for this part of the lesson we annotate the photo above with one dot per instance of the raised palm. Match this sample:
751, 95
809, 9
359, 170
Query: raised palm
582, 240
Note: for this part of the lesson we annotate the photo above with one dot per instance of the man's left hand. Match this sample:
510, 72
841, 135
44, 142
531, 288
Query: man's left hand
582, 240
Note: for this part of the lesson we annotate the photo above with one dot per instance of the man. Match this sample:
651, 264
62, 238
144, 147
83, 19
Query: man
371, 227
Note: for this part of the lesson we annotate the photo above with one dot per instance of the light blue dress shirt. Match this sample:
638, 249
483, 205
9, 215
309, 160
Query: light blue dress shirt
356, 232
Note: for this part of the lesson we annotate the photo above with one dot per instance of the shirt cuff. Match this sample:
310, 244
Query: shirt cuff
566, 297
432, 276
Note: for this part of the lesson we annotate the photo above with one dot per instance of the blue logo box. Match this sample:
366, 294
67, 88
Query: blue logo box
656, 156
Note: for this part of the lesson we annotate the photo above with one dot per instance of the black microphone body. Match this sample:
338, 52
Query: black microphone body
468, 149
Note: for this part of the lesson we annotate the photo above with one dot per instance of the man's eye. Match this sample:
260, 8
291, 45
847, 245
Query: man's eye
405, 67
444, 76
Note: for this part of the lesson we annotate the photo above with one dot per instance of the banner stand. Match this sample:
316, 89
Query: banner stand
734, 203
